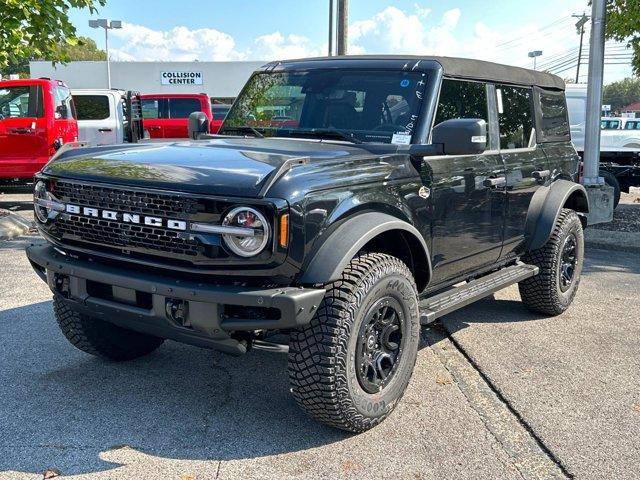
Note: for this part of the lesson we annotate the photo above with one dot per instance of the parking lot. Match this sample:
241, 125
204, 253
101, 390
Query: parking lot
497, 392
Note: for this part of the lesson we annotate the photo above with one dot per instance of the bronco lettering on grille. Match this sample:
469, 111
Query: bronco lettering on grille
126, 217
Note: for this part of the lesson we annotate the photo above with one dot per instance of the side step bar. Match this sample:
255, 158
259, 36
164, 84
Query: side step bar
450, 300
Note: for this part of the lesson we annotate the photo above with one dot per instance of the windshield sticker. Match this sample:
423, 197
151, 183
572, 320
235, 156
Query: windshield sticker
404, 83
402, 138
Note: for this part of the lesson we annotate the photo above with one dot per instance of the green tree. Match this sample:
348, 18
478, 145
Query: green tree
622, 93
623, 25
38, 28
86, 49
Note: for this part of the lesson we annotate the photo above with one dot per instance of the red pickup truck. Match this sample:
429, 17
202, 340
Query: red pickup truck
37, 116
166, 115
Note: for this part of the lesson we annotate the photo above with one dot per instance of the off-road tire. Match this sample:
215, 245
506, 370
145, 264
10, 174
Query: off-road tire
100, 338
543, 293
322, 355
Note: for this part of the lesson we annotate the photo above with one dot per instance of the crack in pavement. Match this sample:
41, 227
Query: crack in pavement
530, 455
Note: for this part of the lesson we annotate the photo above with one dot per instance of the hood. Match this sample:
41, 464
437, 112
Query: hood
225, 166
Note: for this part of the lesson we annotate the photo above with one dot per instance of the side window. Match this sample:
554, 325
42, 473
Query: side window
183, 107
554, 122
14, 102
92, 107
461, 99
63, 104
515, 117
150, 108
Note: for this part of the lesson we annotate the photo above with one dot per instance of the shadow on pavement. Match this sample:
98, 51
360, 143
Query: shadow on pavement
61, 406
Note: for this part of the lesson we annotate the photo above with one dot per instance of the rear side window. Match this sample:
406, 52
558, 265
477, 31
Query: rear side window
183, 107
515, 117
21, 102
461, 99
220, 111
150, 108
92, 107
64, 108
554, 120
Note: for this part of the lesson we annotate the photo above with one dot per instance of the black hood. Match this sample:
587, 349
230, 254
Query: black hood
225, 166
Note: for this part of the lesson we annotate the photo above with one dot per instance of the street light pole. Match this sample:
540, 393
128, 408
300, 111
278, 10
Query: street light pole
331, 34
535, 54
107, 25
343, 26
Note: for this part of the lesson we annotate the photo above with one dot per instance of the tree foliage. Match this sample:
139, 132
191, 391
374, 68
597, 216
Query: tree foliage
622, 93
38, 29
623, 25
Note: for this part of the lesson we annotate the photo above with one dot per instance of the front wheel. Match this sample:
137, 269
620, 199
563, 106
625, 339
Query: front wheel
351, 365
560, 261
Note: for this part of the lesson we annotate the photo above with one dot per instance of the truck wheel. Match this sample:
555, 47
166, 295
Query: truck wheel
560, 261
611, 180
351, 365
100, 338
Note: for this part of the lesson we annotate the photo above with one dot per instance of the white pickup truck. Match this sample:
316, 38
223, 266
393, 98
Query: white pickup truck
108, 117
619, 149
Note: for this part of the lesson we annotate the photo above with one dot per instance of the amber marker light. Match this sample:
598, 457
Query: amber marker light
283, 239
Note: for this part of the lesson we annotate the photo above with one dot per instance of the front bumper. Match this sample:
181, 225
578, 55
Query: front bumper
148, 302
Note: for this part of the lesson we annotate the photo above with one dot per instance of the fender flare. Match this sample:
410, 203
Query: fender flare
545, 207
347, 239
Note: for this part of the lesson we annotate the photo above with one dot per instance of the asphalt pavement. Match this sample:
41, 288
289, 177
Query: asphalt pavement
497, 393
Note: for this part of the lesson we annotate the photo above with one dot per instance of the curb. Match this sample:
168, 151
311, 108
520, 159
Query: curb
609, 240
12, 225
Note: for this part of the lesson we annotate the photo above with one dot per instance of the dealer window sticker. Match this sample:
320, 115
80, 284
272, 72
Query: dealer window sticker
401, 138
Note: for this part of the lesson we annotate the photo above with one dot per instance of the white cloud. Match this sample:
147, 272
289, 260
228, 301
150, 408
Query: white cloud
276, 46
179, 43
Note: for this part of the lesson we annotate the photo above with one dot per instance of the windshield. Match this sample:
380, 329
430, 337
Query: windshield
353, 105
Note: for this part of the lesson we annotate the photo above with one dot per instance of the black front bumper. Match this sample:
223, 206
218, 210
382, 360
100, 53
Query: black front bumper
142, 301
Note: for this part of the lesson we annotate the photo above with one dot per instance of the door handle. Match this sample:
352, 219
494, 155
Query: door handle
494, 182
21, 130
540, 174
153, 127
105, 130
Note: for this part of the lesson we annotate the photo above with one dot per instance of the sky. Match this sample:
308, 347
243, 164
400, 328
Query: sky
500, 30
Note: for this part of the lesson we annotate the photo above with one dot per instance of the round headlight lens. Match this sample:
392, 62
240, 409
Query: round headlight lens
257, 233
40, 193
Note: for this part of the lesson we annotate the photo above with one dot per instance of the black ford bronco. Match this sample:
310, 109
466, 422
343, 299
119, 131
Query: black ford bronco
345, 203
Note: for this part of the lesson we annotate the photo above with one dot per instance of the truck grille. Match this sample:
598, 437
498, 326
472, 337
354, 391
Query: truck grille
126, 237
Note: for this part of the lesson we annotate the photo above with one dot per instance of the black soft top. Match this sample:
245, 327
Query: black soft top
452, 67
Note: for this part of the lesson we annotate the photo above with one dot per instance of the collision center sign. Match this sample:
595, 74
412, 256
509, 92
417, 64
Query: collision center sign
181, 78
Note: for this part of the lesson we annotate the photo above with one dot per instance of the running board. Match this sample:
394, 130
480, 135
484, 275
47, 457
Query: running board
435, 307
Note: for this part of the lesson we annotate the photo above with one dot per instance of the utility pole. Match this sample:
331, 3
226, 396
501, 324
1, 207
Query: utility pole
580, 28
331, 34
600, 195
343, 26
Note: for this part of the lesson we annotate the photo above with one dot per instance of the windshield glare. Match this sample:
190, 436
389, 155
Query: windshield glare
367, 106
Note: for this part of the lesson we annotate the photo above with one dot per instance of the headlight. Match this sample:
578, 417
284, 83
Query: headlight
45, 205
252, 234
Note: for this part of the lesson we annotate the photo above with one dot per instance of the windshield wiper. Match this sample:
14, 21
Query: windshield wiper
245, 128
324, 133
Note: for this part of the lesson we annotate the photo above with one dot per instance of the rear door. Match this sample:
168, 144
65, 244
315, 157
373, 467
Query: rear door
154, 116
179, 110
23, 126
525, 161
97, 122
65, 125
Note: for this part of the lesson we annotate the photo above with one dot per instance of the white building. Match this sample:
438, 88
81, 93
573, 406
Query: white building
221, 80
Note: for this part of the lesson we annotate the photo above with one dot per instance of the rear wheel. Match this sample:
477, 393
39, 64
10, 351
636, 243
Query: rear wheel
351, 365
560, 261
100, 338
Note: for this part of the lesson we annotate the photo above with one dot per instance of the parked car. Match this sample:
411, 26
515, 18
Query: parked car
218, 112
619, 149
612, 123
108, 117
166, 115
346, 232
37, 117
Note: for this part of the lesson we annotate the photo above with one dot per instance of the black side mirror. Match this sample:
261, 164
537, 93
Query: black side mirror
62, 111
461, 136
198, 125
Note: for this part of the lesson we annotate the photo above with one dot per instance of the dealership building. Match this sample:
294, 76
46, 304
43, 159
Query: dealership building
220, 80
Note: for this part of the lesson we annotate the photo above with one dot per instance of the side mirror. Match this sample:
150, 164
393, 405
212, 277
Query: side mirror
198, 124
461, 136
62, 111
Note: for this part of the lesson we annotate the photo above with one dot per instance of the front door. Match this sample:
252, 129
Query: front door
176, 125
467, 192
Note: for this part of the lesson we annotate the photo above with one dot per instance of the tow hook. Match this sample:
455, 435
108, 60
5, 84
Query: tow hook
177, 311
61, 283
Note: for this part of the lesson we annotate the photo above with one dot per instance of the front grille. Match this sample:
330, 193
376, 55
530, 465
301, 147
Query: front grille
126, 237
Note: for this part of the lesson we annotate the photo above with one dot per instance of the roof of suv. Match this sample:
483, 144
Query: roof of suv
453, 67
